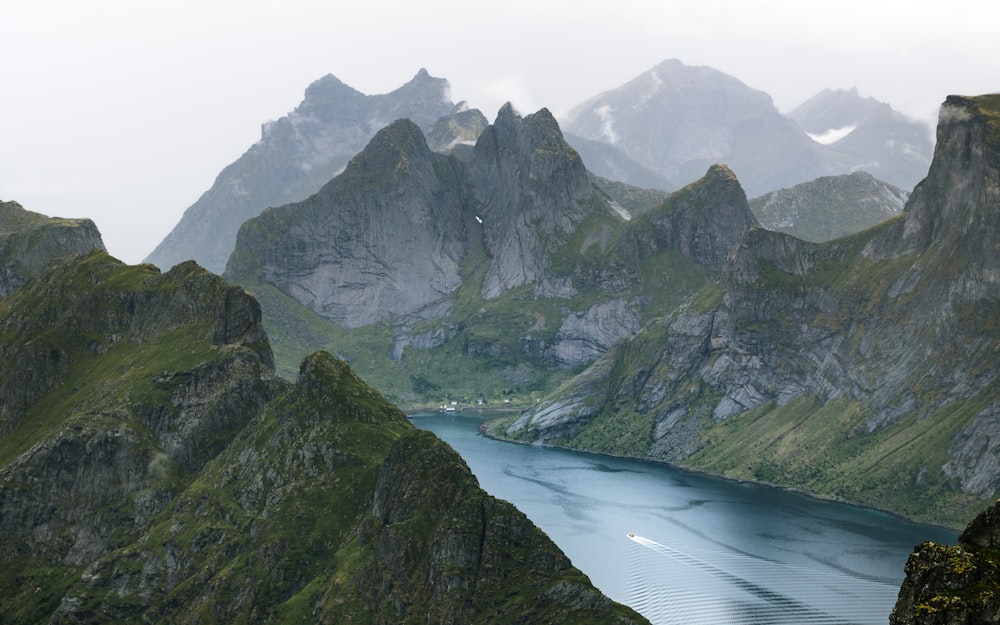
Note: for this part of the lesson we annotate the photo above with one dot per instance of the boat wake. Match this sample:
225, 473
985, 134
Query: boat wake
693, 585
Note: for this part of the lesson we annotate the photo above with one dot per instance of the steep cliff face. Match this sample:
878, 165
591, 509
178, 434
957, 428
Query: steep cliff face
329, 506
29, 241
119, 384
840, 368
954, 585
385, 238
153, 469
508, 258
296, 155
529, 188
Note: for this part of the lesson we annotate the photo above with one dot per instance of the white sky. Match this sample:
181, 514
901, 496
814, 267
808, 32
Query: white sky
124, 111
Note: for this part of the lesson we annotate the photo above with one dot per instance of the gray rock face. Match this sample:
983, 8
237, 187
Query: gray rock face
896, 320
30, 241
585, 337
528, 187
704, 221
829, 207
385, 238
507, 250
296, 155
459, 129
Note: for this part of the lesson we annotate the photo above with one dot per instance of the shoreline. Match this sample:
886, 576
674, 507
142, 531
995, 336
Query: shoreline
484, 431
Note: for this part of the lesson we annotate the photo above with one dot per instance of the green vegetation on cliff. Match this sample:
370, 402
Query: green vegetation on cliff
154, 470
862, 369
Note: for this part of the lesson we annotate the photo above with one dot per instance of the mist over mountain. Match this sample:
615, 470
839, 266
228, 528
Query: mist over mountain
861, 369
884, 143
675, 120
295, 156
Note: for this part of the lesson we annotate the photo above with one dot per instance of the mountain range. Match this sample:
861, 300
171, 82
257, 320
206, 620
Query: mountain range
154, 469
861, 369
830, 207
494, 270
662, 130
664, 127
294, 157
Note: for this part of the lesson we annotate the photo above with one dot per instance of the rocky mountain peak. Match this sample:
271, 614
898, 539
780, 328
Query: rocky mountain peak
958, 198
833, 109
327, 90
720, 174
29, 241
392, 150
677, 120
529, 185
296, 155
830, 207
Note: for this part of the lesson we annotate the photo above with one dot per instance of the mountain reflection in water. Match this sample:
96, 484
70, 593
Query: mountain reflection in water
702, 550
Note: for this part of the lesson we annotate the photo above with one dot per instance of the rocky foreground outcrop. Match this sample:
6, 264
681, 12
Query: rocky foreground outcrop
954, 585
862, 369
153, 469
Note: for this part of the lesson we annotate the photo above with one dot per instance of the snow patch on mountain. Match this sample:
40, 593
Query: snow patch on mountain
832, 135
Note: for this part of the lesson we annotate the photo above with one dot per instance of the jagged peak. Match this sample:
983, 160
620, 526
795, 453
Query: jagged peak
955, 200
400, 141
327, 86
507, 113
720, 172
332, 385
321, 369
423, 81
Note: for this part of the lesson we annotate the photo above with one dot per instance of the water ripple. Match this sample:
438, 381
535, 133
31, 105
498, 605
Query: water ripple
693, 586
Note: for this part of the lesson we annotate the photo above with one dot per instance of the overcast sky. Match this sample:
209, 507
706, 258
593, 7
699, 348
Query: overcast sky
125, 111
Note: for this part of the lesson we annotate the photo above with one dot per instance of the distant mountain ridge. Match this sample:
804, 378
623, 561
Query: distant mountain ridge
881, 141
829, 207
661, 130
295, 156
674, 120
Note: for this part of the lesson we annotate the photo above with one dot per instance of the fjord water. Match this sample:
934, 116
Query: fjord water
702, 549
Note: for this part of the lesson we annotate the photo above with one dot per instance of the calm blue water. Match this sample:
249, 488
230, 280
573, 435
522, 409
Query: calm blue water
704, 550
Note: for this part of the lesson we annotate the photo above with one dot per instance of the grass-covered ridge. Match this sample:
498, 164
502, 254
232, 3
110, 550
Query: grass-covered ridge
153, 448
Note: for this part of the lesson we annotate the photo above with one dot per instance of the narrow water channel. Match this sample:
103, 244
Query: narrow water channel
687, 548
